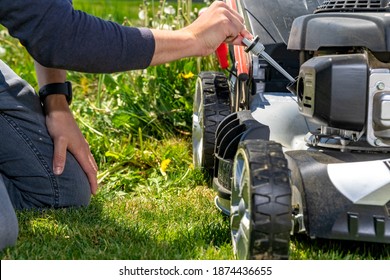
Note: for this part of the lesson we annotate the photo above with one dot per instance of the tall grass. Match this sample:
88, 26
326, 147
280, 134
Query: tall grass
122, 113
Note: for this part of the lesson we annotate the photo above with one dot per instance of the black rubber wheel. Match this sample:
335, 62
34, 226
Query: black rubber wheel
261, 201
211, 106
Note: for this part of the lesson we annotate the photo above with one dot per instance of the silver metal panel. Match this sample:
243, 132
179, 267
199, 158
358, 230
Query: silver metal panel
280, 112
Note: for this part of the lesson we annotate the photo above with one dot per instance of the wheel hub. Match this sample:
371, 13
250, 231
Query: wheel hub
240, 208
198, 128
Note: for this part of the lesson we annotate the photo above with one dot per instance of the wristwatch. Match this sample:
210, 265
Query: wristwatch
56, 88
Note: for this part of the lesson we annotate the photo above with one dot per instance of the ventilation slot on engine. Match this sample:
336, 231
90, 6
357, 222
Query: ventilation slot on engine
353, 6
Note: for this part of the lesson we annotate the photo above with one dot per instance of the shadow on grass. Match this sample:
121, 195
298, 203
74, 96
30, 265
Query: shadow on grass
96, 232
109, 231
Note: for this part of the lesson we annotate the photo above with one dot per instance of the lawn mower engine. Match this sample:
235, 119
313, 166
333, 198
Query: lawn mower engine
313, 159
343, 85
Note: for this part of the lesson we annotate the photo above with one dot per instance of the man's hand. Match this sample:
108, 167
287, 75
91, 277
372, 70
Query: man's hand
66, 135
219, 23
63, 129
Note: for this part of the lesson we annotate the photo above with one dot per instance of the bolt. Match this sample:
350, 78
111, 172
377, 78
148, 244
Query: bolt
380, 85
378, 142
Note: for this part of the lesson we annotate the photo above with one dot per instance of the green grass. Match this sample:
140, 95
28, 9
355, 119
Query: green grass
151, 203
183, 225
117, 9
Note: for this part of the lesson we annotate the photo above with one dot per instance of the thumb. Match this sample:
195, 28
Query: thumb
59, 156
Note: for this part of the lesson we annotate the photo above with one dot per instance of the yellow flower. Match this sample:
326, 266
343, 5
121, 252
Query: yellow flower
84, 84
187, 76
164, 166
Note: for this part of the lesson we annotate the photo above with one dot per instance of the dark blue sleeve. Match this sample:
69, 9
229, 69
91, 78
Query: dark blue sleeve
58, 36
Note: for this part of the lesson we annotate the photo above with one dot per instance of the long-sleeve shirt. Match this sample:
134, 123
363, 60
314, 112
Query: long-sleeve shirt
58, 36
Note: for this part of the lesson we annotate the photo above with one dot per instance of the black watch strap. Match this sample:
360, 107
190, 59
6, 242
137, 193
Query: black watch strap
56, 88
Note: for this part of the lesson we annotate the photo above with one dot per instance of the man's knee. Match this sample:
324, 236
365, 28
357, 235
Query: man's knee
75, 190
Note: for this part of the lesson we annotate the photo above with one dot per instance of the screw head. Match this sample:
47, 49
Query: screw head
380, 85
378, 142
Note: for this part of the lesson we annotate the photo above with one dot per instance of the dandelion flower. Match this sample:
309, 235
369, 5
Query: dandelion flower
2, 52
164, 166
169, 10
141, 15
188, 75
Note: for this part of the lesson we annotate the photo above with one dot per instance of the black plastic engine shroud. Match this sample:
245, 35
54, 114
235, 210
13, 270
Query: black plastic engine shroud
331, 30
333, 90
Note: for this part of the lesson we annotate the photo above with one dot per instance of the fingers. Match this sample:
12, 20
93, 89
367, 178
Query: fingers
88, 164
84, 158
234, 22
59, 156
234, 25
92, 173
246, 34
238, 39
230, 11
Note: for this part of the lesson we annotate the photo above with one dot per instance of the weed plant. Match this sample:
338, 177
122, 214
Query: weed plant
151, 203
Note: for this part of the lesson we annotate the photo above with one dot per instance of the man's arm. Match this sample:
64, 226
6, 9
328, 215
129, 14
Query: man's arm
63, 129
58, 36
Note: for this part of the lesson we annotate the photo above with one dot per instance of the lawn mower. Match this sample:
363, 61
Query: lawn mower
307, 155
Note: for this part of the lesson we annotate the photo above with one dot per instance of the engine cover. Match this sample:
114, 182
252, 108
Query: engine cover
333, 90
316, 31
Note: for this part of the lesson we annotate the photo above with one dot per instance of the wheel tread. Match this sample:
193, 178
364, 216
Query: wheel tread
216, 106
271, 195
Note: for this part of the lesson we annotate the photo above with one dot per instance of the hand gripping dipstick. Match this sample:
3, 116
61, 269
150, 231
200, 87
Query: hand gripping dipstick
257, 49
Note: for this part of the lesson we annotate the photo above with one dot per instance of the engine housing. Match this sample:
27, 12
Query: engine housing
332, 90
344, 77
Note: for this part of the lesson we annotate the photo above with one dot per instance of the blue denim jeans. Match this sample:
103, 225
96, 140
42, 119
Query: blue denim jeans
8, 221
26, 153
